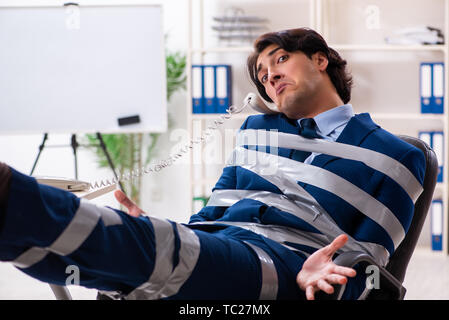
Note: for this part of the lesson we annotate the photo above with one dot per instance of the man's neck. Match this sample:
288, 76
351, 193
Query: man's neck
319, 105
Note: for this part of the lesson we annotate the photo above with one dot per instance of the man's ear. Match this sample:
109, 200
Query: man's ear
320, 60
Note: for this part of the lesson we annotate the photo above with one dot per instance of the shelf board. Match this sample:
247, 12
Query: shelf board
213, 116
439, 191
407, 116
382, 116
202, 182
343, 47
388, 47
247, 49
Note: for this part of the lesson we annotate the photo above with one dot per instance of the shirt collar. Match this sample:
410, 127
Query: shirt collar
331, 119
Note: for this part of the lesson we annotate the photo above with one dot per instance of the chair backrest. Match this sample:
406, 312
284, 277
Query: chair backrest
400, 259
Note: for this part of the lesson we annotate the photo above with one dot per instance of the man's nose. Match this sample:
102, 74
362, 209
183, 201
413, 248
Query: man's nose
274, 77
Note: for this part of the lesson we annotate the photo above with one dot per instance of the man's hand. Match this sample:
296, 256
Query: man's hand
133, 209
319, 272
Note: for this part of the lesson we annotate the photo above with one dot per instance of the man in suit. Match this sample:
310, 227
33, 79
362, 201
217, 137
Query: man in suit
309, 84
332, 181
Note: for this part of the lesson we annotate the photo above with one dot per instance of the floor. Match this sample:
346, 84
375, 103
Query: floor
427, 279
16, 285
427, 276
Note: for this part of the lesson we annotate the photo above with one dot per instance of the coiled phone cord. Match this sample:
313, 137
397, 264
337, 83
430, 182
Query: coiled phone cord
250, 100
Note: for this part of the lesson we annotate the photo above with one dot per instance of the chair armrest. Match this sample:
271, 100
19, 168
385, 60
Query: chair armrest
390, 287
60, 292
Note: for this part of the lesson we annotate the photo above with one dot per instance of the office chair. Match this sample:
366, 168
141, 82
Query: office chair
393, 274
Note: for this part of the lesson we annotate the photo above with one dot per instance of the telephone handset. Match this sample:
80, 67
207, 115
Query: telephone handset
259, 104
252, 100
64, 183
80, 188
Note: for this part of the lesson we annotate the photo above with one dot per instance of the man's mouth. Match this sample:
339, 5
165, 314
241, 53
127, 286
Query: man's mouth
281, 88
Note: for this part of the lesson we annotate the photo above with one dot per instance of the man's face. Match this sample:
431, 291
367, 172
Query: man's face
291, 79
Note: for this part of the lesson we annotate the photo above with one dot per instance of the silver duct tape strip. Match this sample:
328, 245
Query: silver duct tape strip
166, 281
307, 211
277, 233
269, 288
188, 257
81, 226
283, 234
324, 222
311, 213
30, 257
108, 216
376, 160
324, 179
164, 238
327, 227
73, 236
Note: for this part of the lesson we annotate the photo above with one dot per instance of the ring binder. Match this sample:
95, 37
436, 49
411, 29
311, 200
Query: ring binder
211, 88
197, 89
209, 85
437, 225
435, 140
224, 85
432, 87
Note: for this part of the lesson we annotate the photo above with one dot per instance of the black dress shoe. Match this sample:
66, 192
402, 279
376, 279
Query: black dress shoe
5, 179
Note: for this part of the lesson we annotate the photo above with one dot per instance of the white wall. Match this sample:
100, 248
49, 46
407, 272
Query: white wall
159, 190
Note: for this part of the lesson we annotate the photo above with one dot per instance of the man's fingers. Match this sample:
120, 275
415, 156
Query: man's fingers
336, 279
336, 244
339, 242
345, 271
324, 286
310, 293
119, 195
123, 199
133, 209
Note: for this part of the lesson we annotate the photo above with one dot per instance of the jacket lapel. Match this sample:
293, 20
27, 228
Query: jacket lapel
360, 126
286, 125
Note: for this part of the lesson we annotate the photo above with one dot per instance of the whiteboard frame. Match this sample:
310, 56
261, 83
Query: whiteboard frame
97, 3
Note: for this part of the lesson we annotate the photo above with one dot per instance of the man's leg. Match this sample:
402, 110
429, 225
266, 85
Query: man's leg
239, 264
44, 230
5, 178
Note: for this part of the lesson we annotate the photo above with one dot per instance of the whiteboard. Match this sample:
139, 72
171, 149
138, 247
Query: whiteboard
78, 69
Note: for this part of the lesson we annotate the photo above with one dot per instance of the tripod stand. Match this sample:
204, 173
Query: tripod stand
61, 292
75, 145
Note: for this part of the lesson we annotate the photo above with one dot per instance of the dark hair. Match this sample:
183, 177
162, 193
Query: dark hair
309, 42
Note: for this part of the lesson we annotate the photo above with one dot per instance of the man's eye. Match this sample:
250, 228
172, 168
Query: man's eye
282, 58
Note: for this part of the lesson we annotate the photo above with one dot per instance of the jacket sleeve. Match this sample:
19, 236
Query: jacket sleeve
45, 230
395, 199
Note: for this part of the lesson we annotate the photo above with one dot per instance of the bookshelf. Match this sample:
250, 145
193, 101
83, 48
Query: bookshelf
386, 76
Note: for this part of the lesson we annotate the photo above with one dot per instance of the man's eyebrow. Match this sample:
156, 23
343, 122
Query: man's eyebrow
259, 67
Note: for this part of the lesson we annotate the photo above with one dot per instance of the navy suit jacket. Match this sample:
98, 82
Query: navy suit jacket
360, 131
